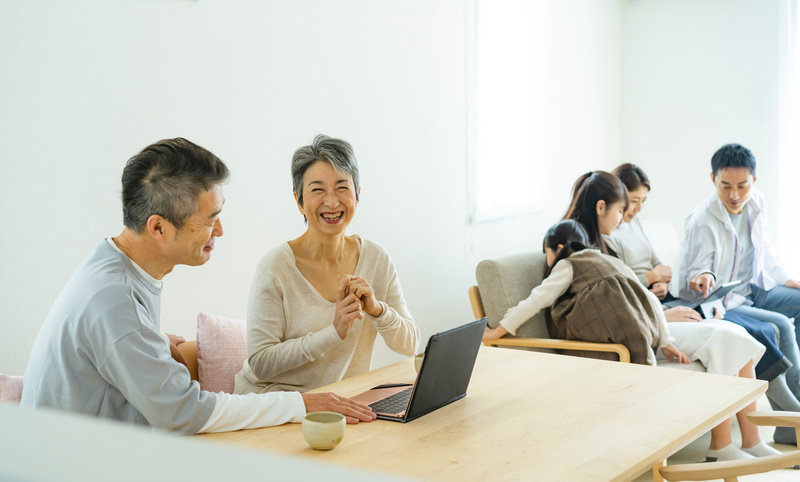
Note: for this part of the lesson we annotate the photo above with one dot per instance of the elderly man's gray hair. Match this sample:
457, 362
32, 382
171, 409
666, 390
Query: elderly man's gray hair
336, 152
165, 179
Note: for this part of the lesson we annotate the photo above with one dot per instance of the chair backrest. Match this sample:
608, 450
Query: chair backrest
505, 281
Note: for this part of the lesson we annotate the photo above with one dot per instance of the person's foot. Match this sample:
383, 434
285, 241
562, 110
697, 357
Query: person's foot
761, 450
729, 452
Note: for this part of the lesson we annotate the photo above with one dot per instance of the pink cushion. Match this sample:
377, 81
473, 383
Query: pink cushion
221, 350
10, 388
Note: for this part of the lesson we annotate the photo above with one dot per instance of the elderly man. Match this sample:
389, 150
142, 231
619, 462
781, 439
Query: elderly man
726, 240
100, 352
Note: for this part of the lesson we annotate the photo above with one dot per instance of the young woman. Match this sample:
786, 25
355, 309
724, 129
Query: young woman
595, 297
633, 247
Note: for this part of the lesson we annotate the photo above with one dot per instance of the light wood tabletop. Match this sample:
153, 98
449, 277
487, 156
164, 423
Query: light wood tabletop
530, 416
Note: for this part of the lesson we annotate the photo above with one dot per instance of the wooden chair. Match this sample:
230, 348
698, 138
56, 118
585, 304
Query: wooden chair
731, 471
545, 343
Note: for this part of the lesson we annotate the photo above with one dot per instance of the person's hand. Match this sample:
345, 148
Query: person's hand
660, 289
348, 309
682, 313
353, 411
364, 292
673, 353
792, 284
494, 333
660, 274
719, 312
175, 339
702, 283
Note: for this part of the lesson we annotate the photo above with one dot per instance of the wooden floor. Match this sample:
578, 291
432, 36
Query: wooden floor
696, 452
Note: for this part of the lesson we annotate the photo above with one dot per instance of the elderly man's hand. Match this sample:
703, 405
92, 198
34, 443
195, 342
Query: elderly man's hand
174, 341
353, 412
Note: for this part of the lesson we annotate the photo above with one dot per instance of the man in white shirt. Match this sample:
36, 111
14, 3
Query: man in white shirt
726, 239
100, 351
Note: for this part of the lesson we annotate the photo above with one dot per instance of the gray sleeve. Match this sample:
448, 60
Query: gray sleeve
141, 368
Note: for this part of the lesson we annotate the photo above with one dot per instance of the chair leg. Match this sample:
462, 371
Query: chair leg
656, 473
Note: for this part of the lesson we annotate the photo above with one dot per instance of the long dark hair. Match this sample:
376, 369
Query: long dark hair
570, 235
588, 190
632, 176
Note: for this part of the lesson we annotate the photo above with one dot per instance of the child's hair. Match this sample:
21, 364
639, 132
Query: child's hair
568, 233
588, 190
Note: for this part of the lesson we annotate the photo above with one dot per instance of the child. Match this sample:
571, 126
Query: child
594, 297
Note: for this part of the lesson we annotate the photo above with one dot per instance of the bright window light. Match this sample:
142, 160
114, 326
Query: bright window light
508, 125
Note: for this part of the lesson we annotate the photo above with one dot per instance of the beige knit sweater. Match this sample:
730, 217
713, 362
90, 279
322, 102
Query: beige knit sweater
291, 341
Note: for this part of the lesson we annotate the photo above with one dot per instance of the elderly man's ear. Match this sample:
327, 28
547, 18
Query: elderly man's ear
156, 226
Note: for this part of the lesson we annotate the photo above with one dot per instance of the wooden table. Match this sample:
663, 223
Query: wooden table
530, 416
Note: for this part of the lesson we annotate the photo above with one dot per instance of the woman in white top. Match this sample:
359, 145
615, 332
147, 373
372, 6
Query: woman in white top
318, 302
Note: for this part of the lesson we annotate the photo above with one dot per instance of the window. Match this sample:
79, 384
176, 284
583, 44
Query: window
507, 127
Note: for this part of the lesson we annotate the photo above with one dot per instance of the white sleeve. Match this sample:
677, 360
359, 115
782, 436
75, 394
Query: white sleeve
254, 410
541, 296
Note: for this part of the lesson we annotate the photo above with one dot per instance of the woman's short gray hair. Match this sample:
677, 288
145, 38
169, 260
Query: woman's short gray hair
336, 152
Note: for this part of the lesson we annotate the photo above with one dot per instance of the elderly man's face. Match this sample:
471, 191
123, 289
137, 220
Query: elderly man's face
194, 242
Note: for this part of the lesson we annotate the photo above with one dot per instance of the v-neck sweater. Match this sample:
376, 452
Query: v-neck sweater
291, 341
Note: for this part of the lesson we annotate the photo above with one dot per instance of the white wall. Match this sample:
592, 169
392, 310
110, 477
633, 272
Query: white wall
698, 74
86, 84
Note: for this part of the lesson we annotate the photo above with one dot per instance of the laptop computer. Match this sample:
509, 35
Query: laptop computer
707, 305
442, 379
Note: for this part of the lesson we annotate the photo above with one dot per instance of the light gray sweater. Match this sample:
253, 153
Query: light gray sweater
100, 352
291, 340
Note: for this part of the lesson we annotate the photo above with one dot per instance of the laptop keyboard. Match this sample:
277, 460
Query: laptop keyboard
393, 404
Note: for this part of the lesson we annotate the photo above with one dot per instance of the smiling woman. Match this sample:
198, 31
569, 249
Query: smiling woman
318, 302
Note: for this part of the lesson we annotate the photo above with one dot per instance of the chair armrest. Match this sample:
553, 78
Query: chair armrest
731, 469
620, 350
775, 419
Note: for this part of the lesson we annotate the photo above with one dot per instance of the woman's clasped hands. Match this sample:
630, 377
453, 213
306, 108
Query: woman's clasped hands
354, 298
